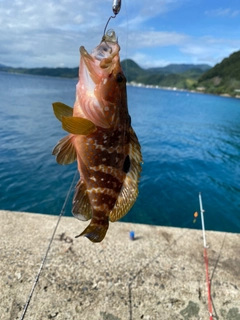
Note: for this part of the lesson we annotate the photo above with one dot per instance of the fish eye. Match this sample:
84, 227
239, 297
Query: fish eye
105, 48
120, 77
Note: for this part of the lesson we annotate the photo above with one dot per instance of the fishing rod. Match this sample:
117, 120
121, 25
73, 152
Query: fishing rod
206, 260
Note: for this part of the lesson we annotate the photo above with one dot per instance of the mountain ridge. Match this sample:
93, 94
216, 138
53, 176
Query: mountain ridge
129, 66
223, 78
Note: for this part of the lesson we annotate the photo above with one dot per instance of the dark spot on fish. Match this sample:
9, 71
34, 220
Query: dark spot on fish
130, 120
126, 164
120, 77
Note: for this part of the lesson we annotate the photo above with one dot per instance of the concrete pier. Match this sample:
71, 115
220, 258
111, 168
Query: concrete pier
159, 275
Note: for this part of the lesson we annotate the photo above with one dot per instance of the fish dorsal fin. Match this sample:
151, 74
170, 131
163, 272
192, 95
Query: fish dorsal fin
62, 110
76, 125
129, 192
65, 151
81, 208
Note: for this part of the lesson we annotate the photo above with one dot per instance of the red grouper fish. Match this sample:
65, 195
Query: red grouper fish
101, 139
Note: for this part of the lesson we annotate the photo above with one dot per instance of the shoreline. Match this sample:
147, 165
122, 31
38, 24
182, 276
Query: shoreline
150, 86
160, 275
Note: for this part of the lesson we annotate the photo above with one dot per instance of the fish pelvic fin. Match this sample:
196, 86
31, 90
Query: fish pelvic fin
96, 230
65, 151
62, 110
77, 125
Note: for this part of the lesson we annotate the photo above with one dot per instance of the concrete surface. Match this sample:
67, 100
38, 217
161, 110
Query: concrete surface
160, 275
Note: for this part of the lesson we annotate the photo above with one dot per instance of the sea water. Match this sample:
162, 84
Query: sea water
190, 144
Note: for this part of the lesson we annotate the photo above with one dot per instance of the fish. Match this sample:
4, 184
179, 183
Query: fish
101, 139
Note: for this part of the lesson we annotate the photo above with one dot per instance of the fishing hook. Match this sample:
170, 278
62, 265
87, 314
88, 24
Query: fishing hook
116, 6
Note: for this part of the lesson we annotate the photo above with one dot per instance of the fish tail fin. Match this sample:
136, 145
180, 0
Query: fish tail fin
96, 230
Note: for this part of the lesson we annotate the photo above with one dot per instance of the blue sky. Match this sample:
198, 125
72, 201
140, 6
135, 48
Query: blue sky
36, 33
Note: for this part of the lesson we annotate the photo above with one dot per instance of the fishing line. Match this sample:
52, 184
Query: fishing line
48, 249
126, 42
116, 6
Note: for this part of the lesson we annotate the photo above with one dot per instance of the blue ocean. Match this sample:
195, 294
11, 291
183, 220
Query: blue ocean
190, 144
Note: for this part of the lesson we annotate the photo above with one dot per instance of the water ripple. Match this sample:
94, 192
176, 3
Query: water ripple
190, 143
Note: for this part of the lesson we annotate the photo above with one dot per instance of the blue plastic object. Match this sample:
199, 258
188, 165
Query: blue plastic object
131, 235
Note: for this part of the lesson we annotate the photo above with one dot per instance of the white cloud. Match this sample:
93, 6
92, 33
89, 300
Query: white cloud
222, 12
187, 49
210, 49
49, 33
139, 11
46, 33
156, 39
146, 61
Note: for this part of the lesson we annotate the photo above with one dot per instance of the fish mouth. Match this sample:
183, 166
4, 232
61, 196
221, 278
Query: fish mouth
88, 68
101, 58
107, 49
85, 55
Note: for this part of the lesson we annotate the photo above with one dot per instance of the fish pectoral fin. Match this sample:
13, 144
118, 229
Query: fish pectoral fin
62, 110
65, 151
77, 125
129, 192
81, 208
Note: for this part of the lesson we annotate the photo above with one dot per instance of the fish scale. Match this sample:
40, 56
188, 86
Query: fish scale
109, 152
106, 186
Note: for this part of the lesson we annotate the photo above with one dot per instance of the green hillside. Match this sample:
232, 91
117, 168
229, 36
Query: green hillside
179, 68
51, 72
132, 70
182, 76
224, 77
